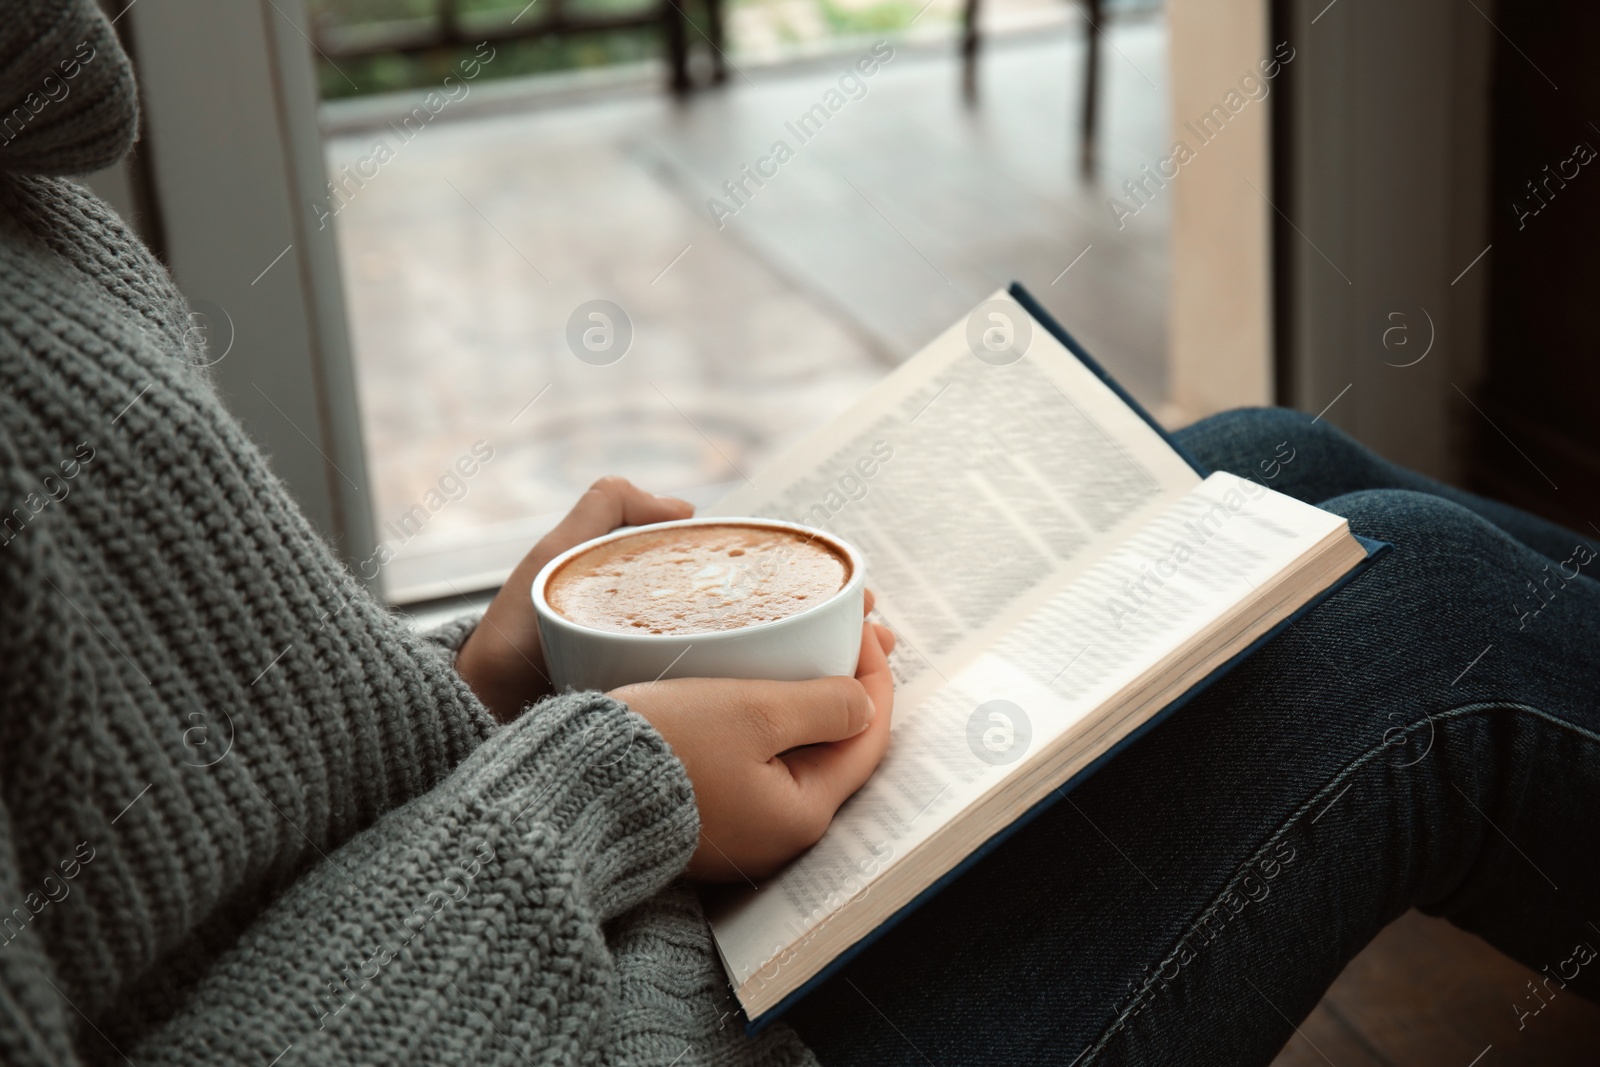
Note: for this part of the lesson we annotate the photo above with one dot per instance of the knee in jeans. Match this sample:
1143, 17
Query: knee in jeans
1455, 586
1255, 442
1415, 521
1255, 422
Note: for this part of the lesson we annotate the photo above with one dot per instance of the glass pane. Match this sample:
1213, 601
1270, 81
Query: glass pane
486, 196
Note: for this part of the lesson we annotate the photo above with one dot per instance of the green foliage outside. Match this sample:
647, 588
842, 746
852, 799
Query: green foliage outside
386, 73
879, 18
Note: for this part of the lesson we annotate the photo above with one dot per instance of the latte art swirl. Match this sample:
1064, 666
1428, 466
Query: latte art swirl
697, 579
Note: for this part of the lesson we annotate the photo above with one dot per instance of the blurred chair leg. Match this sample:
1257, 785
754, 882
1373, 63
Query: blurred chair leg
969, 51
1088, 155
719, 73
674, 18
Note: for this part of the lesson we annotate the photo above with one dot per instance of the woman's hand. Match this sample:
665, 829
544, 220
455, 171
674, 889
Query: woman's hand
503, 660
771, 761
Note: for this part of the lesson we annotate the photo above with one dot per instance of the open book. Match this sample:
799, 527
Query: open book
1057, 574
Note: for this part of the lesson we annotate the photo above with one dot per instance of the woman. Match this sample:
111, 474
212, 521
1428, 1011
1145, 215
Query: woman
249, 817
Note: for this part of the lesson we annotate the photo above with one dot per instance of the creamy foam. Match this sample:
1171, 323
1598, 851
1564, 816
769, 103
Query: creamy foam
697, 579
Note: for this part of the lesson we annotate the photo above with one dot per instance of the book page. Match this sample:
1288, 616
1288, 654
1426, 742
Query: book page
1209, 551
974, 485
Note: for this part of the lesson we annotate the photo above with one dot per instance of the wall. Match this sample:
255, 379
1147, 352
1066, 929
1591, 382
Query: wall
1385, 176
1221, 325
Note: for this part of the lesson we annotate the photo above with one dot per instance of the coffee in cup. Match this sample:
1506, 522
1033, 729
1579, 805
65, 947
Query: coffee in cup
706, 598
697, 579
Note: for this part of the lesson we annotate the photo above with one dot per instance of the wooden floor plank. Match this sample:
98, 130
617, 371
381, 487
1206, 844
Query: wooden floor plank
1323, 1039
1426, 994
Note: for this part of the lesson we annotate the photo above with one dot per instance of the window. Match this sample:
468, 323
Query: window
526, 259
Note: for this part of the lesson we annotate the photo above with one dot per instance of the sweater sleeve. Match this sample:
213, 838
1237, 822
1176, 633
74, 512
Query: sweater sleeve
460, 925
453, 634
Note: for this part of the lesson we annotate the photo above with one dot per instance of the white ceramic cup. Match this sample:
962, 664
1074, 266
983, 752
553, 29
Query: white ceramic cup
822, 640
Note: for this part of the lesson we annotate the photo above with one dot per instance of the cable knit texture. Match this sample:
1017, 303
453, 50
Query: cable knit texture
247, 813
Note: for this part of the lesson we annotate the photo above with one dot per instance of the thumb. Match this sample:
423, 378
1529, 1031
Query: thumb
829, 774
815, 712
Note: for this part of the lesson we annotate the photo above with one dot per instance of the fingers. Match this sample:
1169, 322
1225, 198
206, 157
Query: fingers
613, 502
885, 635
872, 670
609, 503
828, 774
886, 638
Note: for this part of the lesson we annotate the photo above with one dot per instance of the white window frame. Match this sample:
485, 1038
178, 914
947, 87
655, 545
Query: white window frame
233, 155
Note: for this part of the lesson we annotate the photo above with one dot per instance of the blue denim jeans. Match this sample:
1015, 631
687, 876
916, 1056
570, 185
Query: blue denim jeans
1429, 737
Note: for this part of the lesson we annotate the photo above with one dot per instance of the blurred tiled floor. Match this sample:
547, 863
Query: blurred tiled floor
466, 254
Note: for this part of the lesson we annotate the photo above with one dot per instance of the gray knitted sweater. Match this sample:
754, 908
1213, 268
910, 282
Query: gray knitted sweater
247, 814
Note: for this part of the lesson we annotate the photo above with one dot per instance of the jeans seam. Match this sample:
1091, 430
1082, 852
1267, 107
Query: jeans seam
1136, 1003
